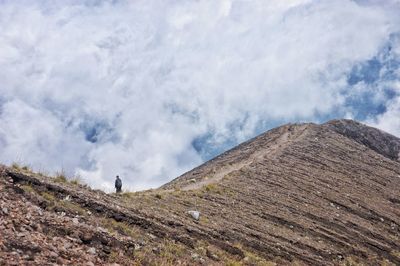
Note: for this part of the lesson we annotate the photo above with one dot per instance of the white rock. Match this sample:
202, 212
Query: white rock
75, 220
39, 211
67, 198
195, 214
101, 229
92, 251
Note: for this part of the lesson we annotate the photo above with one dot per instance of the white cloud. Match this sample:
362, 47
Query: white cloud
390, 120
143, 79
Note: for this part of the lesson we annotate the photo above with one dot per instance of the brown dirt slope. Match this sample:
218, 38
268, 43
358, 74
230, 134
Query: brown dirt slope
301, 194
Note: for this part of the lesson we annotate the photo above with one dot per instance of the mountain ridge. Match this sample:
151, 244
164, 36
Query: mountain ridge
301, 194
388, 147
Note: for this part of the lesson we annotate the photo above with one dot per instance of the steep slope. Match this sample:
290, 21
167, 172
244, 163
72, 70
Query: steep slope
263, 147
316, 193
375, 139
48, 221
301, 193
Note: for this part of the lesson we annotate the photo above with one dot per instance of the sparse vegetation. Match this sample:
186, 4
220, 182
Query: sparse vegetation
170, 251
159, 196
119, 227
254, 259
177, 193
349, 261
233, 263
114, 256
71, 207
65, 205
27, 188
128, 195
214, 189
60, 178
15, 166
204, 220
385, 262
210, 187
48, 196
75, 181
396, 253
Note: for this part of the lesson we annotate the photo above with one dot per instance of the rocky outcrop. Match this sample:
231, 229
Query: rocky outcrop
373, 138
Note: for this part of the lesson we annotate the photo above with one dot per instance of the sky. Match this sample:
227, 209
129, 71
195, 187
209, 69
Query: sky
149, 89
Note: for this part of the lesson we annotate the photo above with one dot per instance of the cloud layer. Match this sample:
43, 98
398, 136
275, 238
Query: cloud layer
150, 89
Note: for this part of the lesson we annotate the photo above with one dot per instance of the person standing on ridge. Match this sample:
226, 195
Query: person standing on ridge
118, 184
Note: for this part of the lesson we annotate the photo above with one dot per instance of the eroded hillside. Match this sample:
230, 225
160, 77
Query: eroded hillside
301, 194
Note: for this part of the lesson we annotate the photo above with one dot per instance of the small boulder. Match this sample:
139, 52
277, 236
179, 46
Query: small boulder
195, 215
67, 198
92, 251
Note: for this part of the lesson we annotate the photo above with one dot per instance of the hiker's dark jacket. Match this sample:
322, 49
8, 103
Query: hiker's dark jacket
118, 183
